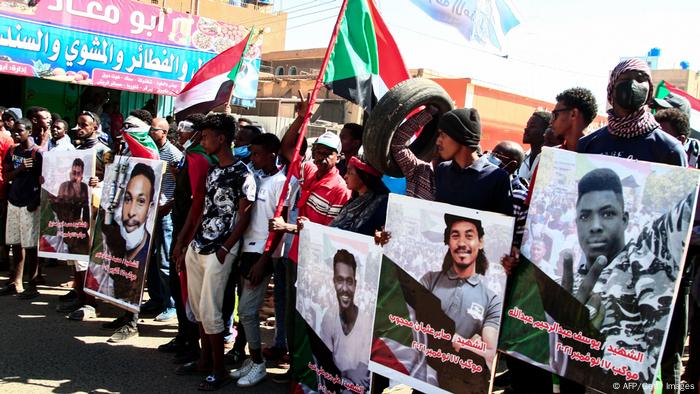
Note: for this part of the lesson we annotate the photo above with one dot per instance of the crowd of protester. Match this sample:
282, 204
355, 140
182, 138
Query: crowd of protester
226, 175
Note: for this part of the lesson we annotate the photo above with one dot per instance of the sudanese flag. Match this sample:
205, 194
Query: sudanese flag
365, 62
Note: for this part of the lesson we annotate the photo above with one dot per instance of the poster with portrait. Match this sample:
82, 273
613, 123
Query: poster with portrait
123, 232
601, 262
440, 294
65, 205
336, 292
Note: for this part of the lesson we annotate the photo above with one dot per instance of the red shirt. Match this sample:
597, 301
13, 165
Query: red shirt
6, 142
321, 199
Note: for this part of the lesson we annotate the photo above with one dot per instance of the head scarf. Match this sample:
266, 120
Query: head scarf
362, 166
640, 122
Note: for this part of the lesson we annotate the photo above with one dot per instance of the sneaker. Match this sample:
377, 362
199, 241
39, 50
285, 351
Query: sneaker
243, 370
257, 373
124, 333
167, 314
70, 296
84, 313
282, 378
274, 353
114, 324
28, 294
10, 289
69, 306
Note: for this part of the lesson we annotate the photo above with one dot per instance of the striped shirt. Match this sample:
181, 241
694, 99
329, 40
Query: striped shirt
420, 178
321, 199
171, 155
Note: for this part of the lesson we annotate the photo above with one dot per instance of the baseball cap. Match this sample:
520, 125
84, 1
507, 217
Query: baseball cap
674, 101
16, 113
329, 139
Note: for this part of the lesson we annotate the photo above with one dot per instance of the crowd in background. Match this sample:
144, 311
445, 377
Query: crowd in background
225, 177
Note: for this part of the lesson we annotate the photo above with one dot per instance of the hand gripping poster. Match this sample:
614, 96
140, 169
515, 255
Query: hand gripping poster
123, 231
336, 292
65, 204
601, 263
440, 295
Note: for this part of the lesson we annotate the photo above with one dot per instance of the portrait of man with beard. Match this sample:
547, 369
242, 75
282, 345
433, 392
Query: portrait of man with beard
127, 238
460, 286
72, 205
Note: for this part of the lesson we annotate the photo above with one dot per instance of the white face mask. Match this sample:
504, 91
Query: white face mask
187, 144
134, 238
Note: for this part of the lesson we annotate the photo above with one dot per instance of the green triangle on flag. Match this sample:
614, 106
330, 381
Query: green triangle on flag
365, 62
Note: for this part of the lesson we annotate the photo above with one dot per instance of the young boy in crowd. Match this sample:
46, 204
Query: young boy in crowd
22, 168
255, 262
230, 193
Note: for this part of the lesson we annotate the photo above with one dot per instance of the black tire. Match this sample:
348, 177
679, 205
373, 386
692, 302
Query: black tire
388, 114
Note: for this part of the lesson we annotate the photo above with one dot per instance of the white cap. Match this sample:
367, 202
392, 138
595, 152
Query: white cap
329, 139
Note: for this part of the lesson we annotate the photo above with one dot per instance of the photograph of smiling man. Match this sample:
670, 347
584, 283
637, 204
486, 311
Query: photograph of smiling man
440, 296
123, 228
607, 277
336, 285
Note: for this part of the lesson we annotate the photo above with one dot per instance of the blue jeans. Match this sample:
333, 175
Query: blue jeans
159, 269
280, 277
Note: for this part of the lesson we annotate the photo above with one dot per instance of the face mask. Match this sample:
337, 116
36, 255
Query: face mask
494, 160
189, 142
132, 239
631, 95
241, 151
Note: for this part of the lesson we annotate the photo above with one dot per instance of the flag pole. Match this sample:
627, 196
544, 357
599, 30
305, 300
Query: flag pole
307, 117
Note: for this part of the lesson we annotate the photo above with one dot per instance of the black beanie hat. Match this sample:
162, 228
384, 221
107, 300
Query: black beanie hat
462, 125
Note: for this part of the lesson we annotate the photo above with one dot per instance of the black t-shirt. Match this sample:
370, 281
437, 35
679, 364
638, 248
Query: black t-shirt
24, 189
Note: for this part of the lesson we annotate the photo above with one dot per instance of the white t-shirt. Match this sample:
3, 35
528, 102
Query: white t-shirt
351, 351
269, 191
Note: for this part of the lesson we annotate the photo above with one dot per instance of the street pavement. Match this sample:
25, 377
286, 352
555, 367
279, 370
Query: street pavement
44, 352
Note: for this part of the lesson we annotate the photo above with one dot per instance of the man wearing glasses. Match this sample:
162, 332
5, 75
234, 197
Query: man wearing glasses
575, 110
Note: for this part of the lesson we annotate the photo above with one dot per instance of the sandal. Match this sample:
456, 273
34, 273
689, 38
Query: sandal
190, 368
213, 383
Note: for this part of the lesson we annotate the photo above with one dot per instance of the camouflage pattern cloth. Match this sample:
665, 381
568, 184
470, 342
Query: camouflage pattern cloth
637, 289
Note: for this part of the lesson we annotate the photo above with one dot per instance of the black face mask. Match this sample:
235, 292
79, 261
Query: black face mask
631, 95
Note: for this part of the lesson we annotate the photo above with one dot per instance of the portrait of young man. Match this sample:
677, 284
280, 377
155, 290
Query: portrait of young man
347, 333
459, 285
72, 205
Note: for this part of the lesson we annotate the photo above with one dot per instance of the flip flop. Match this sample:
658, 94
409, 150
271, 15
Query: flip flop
190, 369
213, 383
